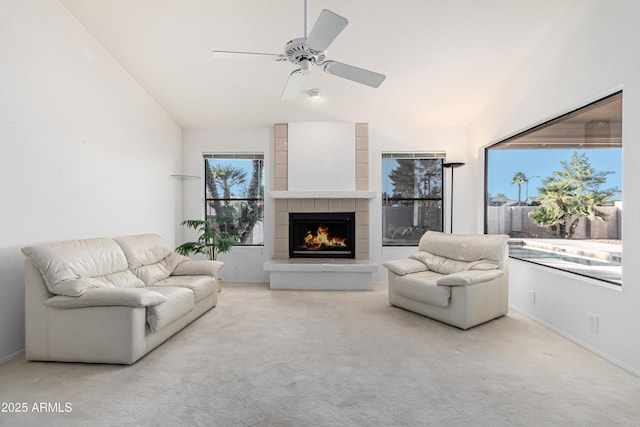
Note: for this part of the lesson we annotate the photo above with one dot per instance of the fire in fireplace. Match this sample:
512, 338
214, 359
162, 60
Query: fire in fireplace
322, 235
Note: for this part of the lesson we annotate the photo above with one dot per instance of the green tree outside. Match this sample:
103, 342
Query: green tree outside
571, 194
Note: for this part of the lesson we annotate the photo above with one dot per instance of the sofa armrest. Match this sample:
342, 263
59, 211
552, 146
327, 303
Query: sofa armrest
191, 267
405, 266
469, 277
127, 297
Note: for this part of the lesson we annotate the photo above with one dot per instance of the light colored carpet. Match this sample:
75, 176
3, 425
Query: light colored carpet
290, 358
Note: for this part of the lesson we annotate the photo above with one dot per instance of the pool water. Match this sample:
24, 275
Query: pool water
598, 268
533, 253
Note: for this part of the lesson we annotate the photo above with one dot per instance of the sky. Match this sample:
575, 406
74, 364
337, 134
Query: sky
503, 164
539, 164
244, 164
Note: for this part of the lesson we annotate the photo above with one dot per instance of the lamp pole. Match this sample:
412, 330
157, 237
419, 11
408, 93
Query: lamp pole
452, 166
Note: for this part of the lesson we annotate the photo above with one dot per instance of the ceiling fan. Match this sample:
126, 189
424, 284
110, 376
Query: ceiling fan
310, 50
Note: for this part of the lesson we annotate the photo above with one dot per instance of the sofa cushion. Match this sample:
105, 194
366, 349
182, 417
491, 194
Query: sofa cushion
62, 264
465, 247
202, 286
129, 297
152, 273
423, 287
143, 249
197, 267
180, 301
149, 257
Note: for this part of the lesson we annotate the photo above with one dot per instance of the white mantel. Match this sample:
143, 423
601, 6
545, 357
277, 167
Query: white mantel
320, 194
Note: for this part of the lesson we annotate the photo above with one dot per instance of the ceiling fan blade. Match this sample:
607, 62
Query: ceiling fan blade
356, 74
325, 30
293, 86
227, 54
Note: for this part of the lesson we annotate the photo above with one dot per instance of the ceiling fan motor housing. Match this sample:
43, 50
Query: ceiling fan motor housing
296, 51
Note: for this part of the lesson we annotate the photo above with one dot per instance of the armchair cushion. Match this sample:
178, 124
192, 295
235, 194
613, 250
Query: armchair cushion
423, 287
444, 265
405, 266
464, 247
469, 277
129, 297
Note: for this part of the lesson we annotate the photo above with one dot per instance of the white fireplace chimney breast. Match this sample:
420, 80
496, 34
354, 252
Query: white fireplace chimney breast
322, 156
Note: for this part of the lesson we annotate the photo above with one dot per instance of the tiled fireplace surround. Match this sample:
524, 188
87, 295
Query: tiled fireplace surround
351, 274
358, 205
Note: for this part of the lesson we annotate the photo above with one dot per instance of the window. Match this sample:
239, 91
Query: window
556, 191
411, 196
234, 190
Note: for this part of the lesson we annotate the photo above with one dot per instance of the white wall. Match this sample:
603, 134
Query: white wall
243, 263
590, 54
84, 150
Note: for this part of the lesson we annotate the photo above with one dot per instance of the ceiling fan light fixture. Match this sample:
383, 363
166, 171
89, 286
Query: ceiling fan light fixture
310, 50
316, 93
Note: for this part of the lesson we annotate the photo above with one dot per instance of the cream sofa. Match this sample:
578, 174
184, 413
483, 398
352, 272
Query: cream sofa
107, 300
457, 279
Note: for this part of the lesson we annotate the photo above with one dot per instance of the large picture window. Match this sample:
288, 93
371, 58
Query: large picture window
411, 196
556, 191
234, 190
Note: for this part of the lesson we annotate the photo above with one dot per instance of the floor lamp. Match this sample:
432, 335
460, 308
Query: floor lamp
452, 165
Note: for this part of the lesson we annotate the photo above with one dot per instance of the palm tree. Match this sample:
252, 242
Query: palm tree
228, 176
210, 182
519, 178
251, 212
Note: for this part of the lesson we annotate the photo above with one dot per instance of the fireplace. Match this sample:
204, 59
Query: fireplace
322, 235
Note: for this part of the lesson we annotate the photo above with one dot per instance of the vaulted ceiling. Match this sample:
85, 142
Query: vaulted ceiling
443, 59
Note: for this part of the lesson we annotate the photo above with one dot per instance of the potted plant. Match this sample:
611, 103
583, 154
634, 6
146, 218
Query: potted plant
211, 241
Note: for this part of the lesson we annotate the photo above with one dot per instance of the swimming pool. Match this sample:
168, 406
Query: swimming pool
609, 270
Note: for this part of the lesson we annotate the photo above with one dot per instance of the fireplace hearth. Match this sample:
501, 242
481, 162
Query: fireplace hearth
322, 235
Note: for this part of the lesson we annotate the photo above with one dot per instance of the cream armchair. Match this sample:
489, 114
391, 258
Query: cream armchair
457, 279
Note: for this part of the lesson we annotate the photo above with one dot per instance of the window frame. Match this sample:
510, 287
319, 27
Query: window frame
234, 156
415, 155
576, 146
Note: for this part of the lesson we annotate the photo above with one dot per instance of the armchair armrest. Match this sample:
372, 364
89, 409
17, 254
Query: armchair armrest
406, 266
469, 277
196, 267
128, 297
